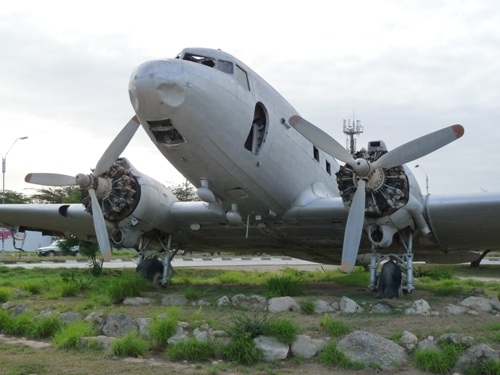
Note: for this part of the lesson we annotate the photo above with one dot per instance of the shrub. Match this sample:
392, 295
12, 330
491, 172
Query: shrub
282, 286
307, 307
129, 345
284, 330
70, 336
190, 350
333, 326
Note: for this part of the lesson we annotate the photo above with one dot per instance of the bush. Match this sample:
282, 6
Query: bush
333, 326
129, 345
190, 350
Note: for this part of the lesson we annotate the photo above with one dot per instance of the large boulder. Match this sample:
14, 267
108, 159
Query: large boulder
369, 349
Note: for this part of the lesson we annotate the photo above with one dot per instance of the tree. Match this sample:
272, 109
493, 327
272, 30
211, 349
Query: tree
184, 191
15, 197
66, 194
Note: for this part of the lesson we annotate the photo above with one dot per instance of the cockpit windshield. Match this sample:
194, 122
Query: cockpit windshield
222, 65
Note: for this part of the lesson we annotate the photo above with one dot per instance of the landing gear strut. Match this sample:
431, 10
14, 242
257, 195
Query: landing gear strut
156, 267
404, 259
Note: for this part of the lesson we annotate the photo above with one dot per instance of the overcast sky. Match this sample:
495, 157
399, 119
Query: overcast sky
406, 68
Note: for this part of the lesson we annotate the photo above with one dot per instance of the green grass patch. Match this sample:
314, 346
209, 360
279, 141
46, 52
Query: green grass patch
190, 350
283, 286
241, 350
439, 361
70, 336
5, 294
163, 328
307, 307
334, 326
283, 330
129, 284
129, 345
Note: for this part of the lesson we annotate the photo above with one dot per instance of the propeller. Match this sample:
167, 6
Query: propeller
95, 185
363, 168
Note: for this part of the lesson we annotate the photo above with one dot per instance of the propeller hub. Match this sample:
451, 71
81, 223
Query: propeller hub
83, 180
361, 167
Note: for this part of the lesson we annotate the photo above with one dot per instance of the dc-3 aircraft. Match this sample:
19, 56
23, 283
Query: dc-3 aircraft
267, 179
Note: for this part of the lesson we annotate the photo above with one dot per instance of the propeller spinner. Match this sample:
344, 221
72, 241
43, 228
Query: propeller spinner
364, 169
96, 186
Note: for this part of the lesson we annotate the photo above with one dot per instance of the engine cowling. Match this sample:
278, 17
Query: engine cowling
134, 204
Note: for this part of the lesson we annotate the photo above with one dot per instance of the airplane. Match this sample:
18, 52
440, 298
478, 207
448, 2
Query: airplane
268, 181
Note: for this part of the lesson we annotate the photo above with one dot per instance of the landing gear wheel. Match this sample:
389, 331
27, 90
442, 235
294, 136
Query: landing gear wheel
151, 269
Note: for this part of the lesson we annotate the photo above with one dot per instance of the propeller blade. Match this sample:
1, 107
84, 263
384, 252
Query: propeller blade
116, 147
419, 147
50, 179
321, 139
354, 228
100, 227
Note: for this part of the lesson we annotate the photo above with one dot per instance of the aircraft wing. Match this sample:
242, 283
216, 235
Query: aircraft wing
465, 221
56, 219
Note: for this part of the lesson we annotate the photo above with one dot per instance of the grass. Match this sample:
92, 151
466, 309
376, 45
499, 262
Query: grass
70, 336
129, 345
334, 326
190, 350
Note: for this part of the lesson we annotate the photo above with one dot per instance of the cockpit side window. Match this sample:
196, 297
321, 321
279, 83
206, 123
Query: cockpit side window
242, 78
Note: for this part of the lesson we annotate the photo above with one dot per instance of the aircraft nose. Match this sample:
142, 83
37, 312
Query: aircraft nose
155, 88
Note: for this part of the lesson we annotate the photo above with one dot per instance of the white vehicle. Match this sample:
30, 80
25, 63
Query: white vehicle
54, 249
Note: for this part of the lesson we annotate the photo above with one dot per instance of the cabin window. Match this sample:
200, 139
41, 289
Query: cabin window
208, 61
328, 168
316, 153
258, 131
165, 133
242, 78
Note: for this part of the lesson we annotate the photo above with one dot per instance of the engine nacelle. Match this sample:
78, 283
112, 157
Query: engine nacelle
135, 204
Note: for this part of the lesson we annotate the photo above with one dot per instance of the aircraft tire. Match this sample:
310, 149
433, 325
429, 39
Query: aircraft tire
151, 269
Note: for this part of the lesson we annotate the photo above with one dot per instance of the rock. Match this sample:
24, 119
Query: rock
456, 339
224, 301
453, 310
479, 304
143, 325
249, 303
282, 304
272, 350
409, 341
180, 335
70, 317
369, 349
104, 342
427, 344
118, 325
306, 347
96, 317
419, 307
174, 299
321, 307
381, 308
474, 356
347, 305
136, 301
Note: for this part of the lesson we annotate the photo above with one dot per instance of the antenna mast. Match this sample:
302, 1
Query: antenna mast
352, 129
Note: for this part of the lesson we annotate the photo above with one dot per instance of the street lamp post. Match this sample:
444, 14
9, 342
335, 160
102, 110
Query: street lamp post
426, 178
4, 164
